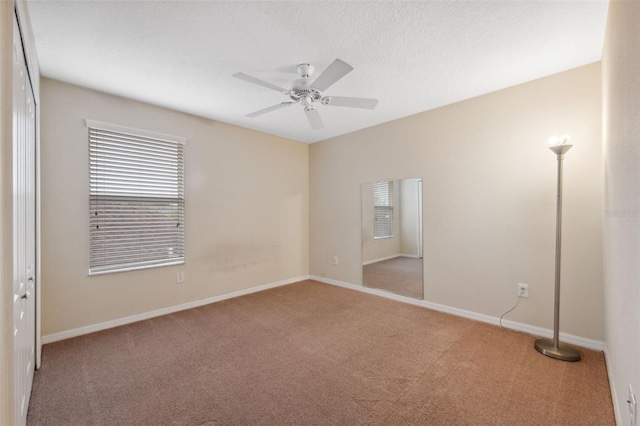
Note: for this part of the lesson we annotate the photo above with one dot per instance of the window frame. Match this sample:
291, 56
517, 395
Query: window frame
388, 207
136, 200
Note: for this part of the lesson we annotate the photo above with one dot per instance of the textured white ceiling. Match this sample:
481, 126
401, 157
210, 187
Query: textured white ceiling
411, 55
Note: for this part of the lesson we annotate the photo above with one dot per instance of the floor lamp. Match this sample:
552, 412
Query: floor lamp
552, 347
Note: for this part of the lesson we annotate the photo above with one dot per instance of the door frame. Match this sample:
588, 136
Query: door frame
8, 12
33, 68
420, 234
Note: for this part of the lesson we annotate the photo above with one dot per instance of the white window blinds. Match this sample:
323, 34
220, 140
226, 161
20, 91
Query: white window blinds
136, 200
383, 209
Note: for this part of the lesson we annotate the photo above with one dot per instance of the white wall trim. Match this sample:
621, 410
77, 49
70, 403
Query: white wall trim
614, 395
393, 256
381, 259
54, 337
412, 256
537, 331
530, 329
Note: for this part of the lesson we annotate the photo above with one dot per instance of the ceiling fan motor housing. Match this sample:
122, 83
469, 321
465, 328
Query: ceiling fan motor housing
305, 92
305, 70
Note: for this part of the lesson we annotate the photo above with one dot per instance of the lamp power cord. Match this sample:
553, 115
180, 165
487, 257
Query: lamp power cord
514, 306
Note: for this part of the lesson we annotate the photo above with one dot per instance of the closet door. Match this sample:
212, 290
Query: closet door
24, 229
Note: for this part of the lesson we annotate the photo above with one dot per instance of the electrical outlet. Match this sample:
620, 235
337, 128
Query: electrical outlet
180, 277
335, 260
633, 407
523, 290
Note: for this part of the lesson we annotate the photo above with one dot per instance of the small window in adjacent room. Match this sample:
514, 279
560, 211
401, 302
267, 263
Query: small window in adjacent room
136, 199
383, 209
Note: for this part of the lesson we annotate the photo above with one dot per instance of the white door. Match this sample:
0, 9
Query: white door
24, 238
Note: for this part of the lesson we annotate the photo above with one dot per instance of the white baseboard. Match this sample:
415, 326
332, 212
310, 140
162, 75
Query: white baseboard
381, 259
530, 329
538, 331
612, 385
412, 256
54, 337
393, 256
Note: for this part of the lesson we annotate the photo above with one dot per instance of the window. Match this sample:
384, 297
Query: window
136, 199
383, 209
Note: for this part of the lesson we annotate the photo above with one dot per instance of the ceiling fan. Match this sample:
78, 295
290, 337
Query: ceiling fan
310, 95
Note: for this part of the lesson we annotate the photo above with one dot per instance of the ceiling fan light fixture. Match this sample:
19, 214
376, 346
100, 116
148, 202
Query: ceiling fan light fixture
307, 101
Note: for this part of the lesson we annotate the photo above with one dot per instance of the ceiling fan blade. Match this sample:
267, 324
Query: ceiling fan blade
333, 73
314, 118
345, 101
271, 108
259, 82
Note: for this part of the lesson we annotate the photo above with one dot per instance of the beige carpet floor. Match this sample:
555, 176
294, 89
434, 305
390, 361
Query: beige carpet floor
313, 354
400, 275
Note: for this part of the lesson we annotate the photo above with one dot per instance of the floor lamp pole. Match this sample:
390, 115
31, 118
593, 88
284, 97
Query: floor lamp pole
553, 348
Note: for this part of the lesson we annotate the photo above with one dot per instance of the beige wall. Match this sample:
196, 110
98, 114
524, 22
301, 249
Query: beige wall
621, 101
489, 199
246, 211
6, 214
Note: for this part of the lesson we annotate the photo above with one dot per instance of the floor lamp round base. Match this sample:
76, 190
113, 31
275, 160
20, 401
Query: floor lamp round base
562, 352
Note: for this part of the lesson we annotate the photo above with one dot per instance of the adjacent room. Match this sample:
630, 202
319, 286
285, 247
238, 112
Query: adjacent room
320, 213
